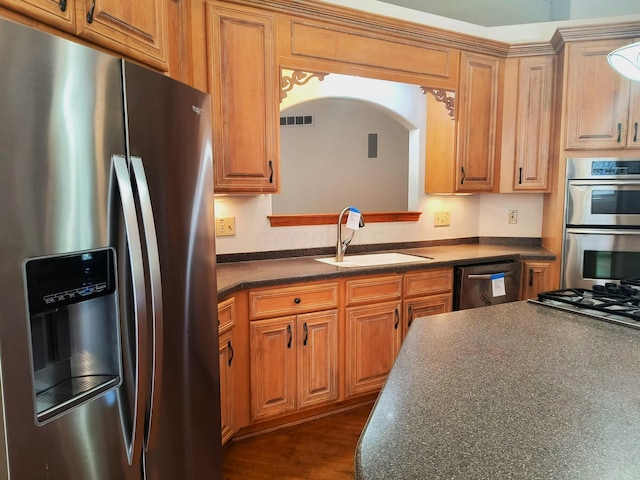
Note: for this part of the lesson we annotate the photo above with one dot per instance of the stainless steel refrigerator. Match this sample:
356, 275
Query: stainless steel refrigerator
108, 324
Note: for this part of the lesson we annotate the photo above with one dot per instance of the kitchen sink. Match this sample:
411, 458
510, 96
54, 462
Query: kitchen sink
374, 259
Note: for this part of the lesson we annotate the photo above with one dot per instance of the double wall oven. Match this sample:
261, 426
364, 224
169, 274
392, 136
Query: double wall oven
602, 222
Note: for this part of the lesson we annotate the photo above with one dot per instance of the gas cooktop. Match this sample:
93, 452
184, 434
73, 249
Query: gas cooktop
612, 302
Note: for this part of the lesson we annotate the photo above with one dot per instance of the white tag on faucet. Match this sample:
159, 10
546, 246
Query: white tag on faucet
353, 220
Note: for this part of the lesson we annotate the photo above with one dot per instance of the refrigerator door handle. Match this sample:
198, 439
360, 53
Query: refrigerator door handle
151, 240
135, 439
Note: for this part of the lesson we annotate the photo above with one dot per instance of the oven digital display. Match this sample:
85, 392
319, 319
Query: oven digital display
615, 167
615, 202
610, 265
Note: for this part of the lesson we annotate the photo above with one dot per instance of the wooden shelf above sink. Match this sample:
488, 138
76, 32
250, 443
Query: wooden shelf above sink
332, 218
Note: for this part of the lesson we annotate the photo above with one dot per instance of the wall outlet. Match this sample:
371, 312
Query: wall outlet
513, 217
441, 219
225, 226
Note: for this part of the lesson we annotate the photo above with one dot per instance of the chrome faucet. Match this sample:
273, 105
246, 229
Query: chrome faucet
341, 245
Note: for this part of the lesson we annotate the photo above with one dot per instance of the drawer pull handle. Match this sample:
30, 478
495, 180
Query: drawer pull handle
296, 300
520, 177
410, 316
270, 171
63, 5
464, 175
397, 319
635, 132
290, 336
231, 352
531, 277
306, 333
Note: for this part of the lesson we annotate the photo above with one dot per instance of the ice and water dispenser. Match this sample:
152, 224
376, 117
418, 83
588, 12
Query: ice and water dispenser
74, 328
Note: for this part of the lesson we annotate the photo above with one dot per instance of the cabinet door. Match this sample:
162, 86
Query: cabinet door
477, 134
373, 341
273, 367
633, 129
243, 78
597, 97
57, 13
535, 278
423, 307
135, 29
317, 346
534, 115
226, 384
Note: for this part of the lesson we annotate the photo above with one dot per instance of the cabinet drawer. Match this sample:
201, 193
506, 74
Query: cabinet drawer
374, 289
430, 282
226, 314
276, 302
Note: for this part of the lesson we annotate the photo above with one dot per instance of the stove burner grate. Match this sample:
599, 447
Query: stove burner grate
610, 299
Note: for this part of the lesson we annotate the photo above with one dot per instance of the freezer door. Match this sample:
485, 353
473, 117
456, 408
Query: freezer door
61, 120
169, 134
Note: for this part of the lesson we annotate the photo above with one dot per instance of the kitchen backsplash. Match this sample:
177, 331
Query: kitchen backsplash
482, 215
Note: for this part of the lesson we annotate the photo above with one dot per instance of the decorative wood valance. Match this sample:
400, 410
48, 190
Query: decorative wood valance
443, 97
297, 77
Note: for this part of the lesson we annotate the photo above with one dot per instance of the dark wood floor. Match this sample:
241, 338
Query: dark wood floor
322, 449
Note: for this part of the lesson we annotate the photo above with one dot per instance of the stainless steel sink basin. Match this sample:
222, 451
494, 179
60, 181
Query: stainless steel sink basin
373, 259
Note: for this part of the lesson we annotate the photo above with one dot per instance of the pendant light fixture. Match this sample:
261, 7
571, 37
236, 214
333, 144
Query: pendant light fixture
626, 61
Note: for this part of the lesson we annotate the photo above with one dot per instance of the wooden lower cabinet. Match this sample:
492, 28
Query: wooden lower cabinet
226, 321
423, 307
226, 384
294, 363
536, 278
373, 337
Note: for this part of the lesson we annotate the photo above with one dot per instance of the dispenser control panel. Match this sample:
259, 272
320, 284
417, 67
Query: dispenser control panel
62, 280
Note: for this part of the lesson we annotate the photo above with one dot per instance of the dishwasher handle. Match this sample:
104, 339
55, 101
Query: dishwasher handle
488, 276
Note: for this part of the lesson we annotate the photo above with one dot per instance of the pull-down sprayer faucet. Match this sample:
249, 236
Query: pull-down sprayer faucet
341, 245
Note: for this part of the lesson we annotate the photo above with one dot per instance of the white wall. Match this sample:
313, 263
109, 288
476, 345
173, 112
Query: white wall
325, 166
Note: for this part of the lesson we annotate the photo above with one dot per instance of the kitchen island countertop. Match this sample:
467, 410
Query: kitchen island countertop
518, 391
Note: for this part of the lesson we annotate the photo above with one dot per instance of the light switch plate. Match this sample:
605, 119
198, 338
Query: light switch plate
441, 219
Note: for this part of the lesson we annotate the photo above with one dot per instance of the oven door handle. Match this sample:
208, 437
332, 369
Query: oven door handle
603, 231
610, 182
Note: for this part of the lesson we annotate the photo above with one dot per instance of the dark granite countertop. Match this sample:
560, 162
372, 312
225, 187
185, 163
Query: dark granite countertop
517, 391
234, 276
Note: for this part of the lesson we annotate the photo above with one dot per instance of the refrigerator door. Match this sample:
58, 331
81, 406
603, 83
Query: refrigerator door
61, 120
169, 135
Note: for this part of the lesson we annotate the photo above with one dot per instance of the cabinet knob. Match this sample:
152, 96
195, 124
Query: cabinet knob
296, 300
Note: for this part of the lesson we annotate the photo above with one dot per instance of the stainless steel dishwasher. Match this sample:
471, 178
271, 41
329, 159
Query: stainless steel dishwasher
486, 284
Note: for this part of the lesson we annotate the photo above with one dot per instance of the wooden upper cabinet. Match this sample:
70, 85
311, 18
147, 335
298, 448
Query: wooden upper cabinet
477, 115
602, 107
461, 154
243, 80
133, 29
136, 28
60, 14
528, 113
